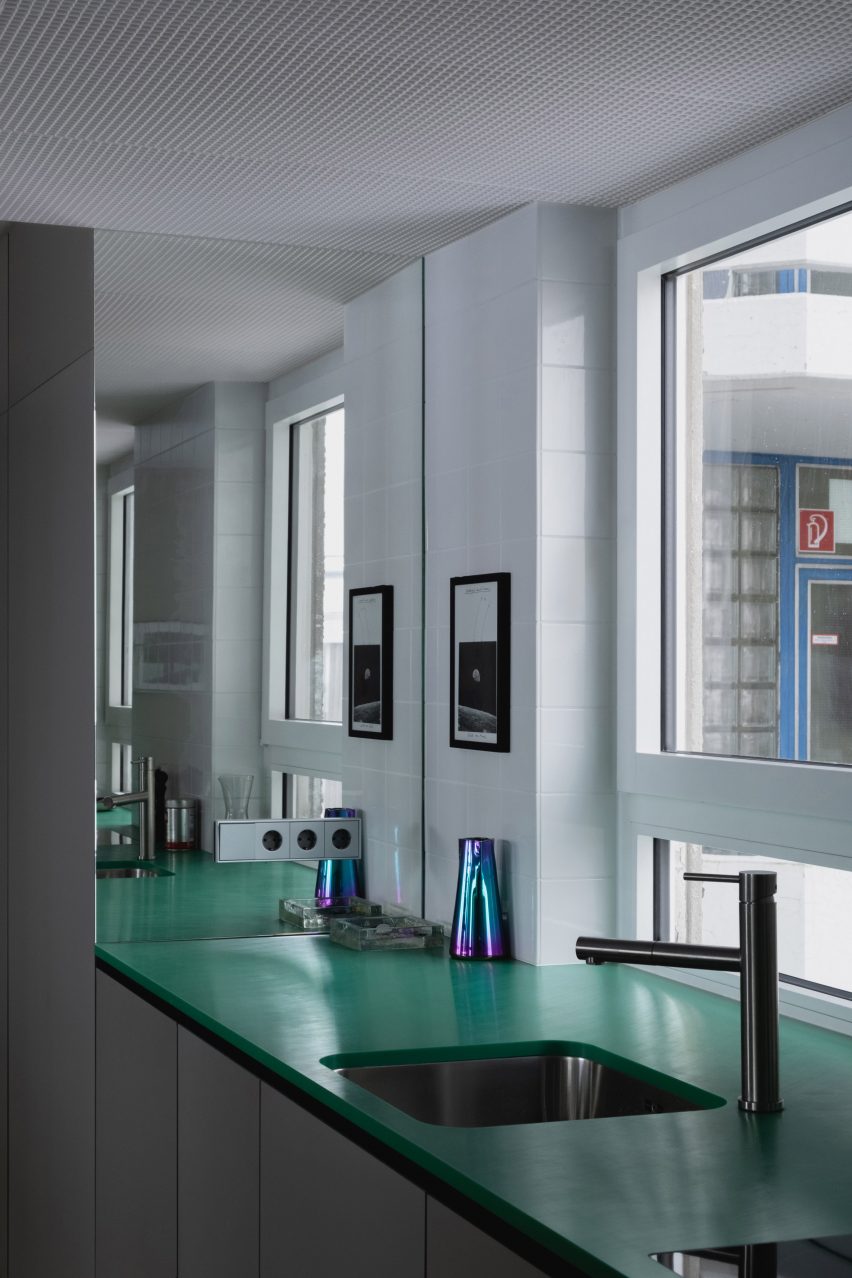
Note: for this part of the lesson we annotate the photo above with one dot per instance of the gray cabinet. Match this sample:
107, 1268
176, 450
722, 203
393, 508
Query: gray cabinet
205, 1172
454, 1246
328, 1207
136, 1141
218, 1155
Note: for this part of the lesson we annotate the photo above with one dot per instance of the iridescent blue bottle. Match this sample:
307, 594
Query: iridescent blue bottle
478, 931
339, 877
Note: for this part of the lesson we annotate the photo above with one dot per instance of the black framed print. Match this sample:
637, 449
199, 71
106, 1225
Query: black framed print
480, 613
371, 663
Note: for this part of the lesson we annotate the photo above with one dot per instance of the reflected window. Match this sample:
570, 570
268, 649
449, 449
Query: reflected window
120, 617
308, 796
315, 613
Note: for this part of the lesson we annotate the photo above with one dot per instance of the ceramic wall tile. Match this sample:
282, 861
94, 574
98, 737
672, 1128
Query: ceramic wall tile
236, 665
577, 752
577, 325
446, 511
576, 833
578, 495
238, 613
483, 503
576, 245
238, 562
577, 409
383, 393
577, 579
240, 405
519, 497
441, 877
378, 317
577, 666
471, 271
519, 898
404, 519
240, 456
572, 908
519, 559
239, 509
376, 525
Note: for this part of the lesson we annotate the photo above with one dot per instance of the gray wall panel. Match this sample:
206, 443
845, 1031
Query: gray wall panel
218, 1156
4, 321
136, 1148
327, 1206
4, 858
454, 1246
51, 284
51, 837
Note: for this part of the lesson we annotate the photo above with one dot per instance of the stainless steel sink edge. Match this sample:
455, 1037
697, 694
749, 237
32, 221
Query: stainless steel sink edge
699, 1096
516, 1083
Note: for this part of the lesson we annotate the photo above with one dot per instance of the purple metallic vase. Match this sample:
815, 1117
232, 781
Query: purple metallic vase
477, 931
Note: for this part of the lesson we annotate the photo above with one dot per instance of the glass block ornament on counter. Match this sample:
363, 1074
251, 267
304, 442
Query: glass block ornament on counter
387, 932
315, 915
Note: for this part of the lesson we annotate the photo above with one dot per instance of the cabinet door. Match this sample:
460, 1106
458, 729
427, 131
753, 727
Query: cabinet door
327, 1207
218, 1104
454, 1246
136, 1145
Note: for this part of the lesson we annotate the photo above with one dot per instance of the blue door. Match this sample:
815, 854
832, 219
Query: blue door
824, 664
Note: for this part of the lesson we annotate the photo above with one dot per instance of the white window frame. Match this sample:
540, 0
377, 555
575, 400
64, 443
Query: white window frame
801, 812
117, 712
290, 745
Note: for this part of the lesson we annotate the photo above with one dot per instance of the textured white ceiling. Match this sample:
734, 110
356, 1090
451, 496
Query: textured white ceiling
387, 127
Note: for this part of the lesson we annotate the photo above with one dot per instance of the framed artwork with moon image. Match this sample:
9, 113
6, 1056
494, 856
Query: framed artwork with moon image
371, 663
479, 661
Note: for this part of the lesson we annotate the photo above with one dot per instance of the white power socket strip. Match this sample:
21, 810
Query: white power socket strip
290, 839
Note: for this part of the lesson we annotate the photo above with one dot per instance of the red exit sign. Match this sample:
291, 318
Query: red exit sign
816, 532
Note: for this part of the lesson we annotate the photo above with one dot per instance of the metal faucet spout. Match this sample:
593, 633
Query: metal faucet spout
144, 796
756, 960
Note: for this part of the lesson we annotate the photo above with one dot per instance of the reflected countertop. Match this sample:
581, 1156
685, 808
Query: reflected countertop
199, 899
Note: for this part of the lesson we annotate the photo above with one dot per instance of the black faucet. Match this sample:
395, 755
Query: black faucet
756, 960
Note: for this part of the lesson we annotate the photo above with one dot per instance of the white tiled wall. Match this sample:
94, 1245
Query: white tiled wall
197, 593
481, 516
238, 497
520, 478
576, 716
383, 535
173, 592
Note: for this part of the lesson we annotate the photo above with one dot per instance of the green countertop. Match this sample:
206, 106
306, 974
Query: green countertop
198, 899
602, 1193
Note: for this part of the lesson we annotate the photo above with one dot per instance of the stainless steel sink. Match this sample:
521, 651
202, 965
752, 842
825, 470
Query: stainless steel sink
121, 870
498, 1091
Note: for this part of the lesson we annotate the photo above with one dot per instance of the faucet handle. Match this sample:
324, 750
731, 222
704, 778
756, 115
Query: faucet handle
754, 885
712, 878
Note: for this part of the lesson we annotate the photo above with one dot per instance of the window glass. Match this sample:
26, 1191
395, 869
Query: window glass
758, 633
315, 630
814, 904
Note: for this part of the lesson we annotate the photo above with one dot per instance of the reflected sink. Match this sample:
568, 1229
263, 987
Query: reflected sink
544, 1087
131, 870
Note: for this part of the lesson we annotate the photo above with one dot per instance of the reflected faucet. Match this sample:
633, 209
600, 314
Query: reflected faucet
756, 960
144, 796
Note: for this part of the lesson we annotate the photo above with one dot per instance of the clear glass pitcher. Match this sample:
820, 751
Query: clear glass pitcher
237, 791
